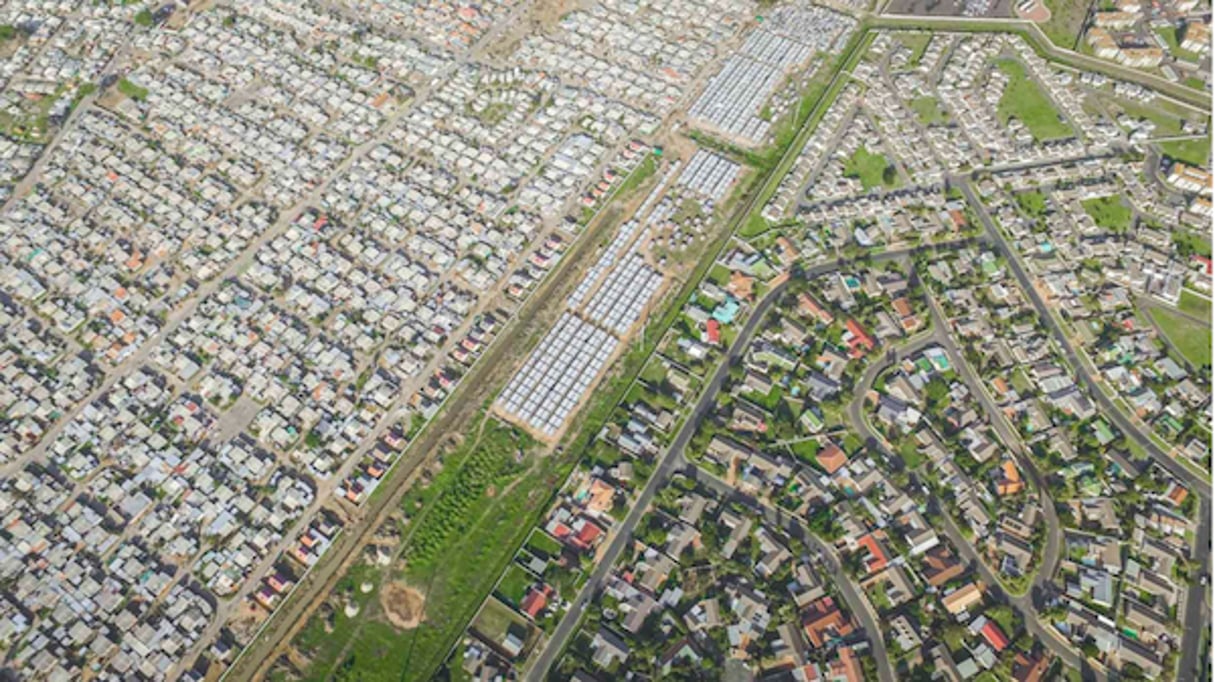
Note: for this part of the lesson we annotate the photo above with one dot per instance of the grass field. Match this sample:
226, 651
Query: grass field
929, 110
1189, 243
1193, 304
1066, 20
1196, 152
496, 618
1032, 202
1026, 102
873, 170
1191, 339
479, 507
1167, 123
543, 545
1109, 212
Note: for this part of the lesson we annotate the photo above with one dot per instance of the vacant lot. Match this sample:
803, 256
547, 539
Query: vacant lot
1066, 21
1026, 102
1170, 35
1033, 203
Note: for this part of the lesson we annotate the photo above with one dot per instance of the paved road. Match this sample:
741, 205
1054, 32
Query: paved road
1196, 619
857, 602
1197, 612
1024, 603
1196, 483
1194, 98
1011, 440
671, 461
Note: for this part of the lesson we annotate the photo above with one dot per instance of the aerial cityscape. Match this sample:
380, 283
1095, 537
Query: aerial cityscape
594, 340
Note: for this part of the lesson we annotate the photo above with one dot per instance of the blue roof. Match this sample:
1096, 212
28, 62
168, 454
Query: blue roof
726, 310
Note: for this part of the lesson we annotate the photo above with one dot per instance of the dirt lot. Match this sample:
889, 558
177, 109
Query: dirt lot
403, 605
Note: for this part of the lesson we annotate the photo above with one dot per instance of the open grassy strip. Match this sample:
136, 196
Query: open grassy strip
130, 89
462, 540
1195, 305
1025, 101
1172, 38
644, 170
1192, 339
1196, 151
917, 43
1167, 122
466, 544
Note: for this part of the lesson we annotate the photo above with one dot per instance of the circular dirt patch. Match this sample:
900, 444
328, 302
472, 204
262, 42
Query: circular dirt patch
403, 605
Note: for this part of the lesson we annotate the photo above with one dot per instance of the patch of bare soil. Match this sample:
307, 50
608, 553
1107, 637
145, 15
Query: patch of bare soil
403, 605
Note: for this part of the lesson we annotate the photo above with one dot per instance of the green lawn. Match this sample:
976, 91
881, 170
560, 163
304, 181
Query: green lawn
648, 165
543, 545
1170, 36
1109, 212
496, 618
1026, 102
806, 450
929, 110
1192, 339
1193, 304
1032, 202
513, 586
910, 454
130, 89
1196, 152
873, 170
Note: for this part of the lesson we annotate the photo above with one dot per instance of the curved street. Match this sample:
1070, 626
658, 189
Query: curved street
1197, 620
1023, 603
